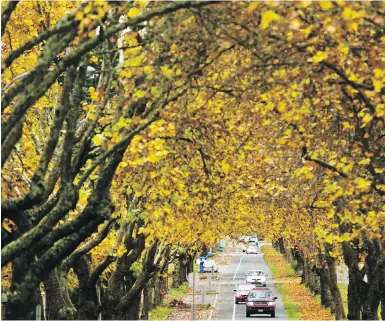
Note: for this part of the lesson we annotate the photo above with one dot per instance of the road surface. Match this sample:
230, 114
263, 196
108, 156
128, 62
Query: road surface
225, 308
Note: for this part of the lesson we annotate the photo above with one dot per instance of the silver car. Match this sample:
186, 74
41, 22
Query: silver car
252, 249
210, 265
257, 277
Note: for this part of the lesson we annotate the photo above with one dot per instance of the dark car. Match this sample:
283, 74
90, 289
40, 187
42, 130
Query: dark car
242, 292
260, 301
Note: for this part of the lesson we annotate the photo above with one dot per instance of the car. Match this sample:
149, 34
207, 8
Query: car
257, 277
210, 265
252, 249
260, 301
242, 291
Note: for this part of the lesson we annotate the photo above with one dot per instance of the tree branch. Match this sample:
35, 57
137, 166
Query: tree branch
6, 14
95, 241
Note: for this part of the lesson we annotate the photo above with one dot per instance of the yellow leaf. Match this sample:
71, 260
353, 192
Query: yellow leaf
281, 107
329, 239
97, 140
343, 238
153, 175
353, 26
380, 110
121, 251
225, 167
139, 94
366, 119
309, 175
79, 15
268, 17
325, 5
377, 85
379, 73
320, 56
365, 161
138, 194
167, 72
252, 6
362, 183
93, 93
266, 122
342, 48
347, 125
133, 12
94, 59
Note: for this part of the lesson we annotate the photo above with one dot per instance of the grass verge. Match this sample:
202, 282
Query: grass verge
291, 308
300, 303
163, 311
159, 313
344, 294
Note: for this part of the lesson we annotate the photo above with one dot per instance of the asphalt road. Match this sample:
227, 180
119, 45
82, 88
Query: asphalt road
226, 309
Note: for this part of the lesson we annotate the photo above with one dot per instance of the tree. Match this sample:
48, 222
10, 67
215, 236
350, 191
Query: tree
196, 116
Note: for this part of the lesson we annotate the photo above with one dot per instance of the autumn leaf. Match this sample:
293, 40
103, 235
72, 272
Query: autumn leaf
134, 12
267, 17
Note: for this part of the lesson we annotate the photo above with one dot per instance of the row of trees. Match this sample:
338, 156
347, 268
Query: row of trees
134, 134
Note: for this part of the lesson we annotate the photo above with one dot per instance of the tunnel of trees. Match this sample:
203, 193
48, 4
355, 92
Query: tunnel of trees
135, 134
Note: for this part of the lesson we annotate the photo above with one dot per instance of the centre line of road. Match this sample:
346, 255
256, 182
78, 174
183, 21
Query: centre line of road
239, 264
224, 271
215, 301
234, 310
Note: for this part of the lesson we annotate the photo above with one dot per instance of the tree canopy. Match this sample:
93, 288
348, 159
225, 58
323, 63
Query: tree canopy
134, 134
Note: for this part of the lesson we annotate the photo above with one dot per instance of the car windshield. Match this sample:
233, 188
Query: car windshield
256, 273
260, 294
245, 287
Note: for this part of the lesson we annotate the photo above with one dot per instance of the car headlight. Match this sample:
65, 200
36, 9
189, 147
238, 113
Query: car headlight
271, 303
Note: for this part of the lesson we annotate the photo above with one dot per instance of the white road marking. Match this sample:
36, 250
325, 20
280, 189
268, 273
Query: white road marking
239, 264
215, 302
234, 310
224, 270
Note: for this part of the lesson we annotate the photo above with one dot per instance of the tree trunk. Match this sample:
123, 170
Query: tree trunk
354, 287
300, 265
147, 300
157, 292
190, 264
289, 255
16, 310
326, 298
176, 274
88, 307
306, 272
315, 282
382, 285
182, 269
373, 270
339, 311
59, 307
131, 311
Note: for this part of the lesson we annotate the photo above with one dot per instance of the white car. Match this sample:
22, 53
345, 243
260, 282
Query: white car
252, 249
257, 277
253, 239
209, 265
